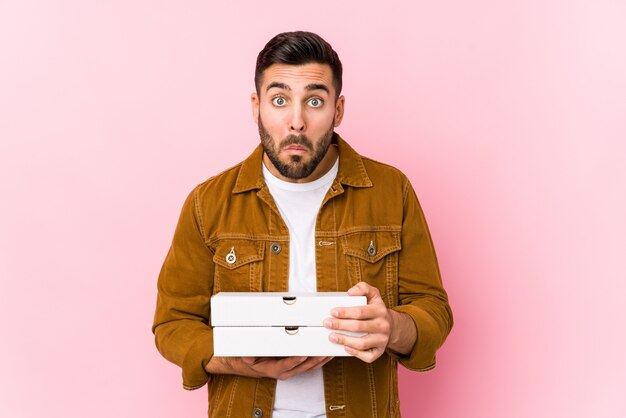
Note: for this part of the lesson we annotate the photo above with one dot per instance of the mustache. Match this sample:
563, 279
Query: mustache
297, 140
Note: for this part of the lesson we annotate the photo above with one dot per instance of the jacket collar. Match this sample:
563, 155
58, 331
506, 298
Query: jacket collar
351, 168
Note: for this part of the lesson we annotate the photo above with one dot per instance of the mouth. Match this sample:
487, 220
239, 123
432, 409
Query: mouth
298, 149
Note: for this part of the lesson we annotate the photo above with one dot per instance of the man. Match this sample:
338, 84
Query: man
304, 213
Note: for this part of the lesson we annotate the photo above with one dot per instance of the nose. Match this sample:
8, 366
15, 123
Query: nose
297, 124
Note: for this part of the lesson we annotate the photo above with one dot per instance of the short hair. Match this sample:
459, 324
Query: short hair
298, 48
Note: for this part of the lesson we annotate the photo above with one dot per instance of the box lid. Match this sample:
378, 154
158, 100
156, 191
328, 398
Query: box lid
277, 308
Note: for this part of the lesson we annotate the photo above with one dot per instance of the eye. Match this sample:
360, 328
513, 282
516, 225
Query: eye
316, 102
279, 101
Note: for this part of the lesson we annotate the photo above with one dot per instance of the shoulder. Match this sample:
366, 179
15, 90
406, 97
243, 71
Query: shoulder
380, 167
384, 174
220, 181
214, 190
361, 170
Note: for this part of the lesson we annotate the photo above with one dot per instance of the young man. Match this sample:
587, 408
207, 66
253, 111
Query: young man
304, 213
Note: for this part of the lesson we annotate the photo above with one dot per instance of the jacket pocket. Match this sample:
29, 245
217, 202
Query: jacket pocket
372, 257
238, 265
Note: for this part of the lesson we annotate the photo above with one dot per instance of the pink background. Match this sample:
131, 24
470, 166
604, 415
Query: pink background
508, 116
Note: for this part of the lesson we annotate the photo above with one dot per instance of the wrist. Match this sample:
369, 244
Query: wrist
217, 365
393, 329
403, 333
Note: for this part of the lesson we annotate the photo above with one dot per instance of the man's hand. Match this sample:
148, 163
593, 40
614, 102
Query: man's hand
280, 368
384, 327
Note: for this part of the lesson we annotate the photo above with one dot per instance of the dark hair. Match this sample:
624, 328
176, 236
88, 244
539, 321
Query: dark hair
298, 48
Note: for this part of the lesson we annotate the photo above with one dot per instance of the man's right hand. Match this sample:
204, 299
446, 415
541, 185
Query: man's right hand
280, 368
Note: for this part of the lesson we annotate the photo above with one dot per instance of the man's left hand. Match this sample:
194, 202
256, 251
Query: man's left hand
379, 323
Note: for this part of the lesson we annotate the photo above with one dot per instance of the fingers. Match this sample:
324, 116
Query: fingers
364, 289
372, 319
251, 360
377, 325
282, 368
373, 311
366, 342
292, 362
375, 304
367, 348
308, 365
367, 356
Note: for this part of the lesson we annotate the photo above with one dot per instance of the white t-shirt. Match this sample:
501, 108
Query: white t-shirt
301, 396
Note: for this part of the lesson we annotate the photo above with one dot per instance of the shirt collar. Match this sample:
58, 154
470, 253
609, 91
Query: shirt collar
351, 168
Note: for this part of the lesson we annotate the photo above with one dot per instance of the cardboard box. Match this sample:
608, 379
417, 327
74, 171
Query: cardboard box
233, 309
276, 342
277, 324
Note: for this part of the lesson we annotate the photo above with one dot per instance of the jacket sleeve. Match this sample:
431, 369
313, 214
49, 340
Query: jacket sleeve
421, 293
181, 321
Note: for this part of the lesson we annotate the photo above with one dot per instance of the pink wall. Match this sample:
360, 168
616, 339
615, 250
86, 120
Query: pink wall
508, 116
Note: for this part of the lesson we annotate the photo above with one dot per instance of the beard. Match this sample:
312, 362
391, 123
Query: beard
296, 168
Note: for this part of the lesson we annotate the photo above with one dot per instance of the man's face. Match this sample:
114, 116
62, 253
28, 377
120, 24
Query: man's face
297, 112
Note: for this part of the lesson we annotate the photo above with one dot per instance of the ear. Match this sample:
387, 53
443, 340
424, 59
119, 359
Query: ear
254, 100
339, 110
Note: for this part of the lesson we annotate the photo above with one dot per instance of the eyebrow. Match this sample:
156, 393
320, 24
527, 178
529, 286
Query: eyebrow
309, 87
318, 86
276, 84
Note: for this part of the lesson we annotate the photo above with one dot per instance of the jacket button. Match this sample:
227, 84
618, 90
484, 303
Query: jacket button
275, 248
231, 257
371, 250
257, 412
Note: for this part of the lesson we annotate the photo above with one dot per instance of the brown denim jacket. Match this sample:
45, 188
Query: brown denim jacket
370, 228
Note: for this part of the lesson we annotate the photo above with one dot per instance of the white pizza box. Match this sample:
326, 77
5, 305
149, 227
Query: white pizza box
277, 308
276, 342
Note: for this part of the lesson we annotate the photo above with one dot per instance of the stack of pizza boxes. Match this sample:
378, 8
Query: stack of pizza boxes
275, 324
